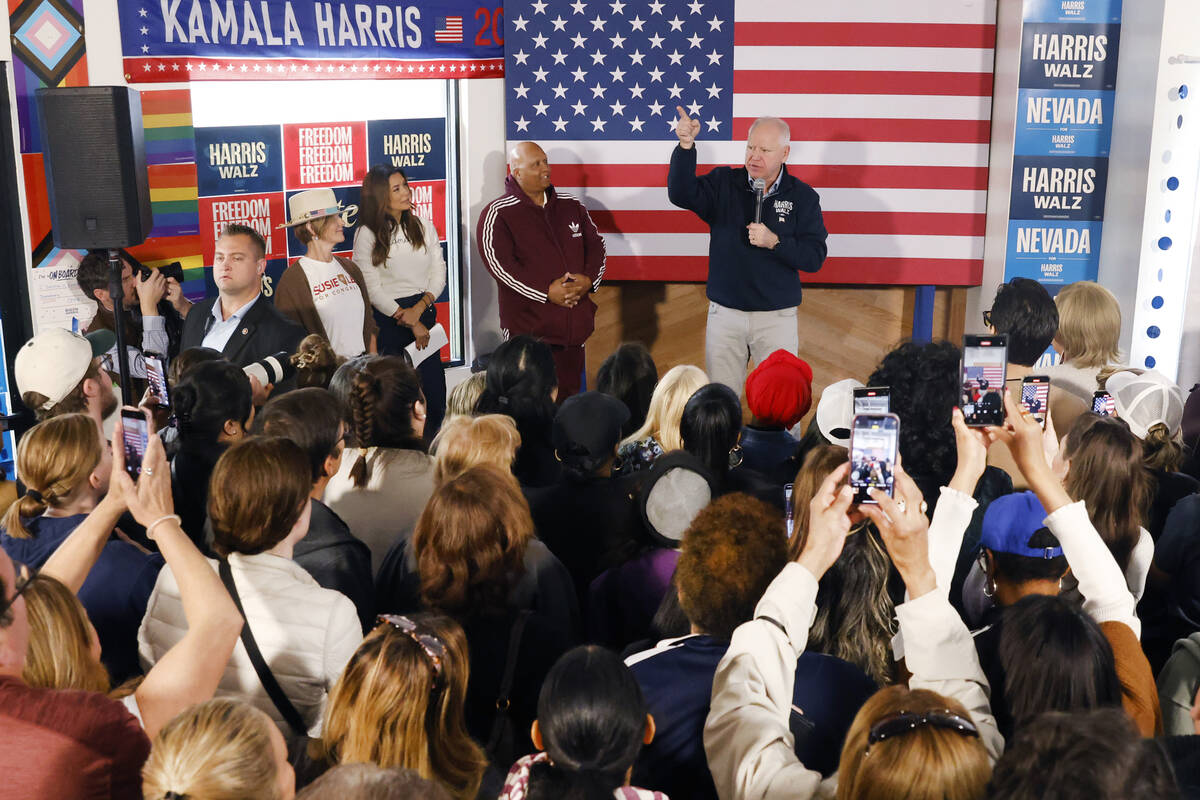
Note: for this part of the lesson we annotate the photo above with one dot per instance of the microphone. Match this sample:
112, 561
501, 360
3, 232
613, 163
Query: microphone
760, 186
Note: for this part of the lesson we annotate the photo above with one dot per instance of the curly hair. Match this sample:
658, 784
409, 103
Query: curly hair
1024, 310
730, 553
382, 395
470, 542
925, 385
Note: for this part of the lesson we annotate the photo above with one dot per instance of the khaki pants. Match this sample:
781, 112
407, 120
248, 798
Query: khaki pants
734, 337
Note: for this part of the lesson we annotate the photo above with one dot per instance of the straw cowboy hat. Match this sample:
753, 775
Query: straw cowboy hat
315, 204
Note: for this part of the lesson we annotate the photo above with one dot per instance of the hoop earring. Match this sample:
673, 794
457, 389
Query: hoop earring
989, 585
736, 456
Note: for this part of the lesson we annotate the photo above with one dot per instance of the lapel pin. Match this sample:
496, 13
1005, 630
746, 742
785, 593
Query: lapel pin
245, 331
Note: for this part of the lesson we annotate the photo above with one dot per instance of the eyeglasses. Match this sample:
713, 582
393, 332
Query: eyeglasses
908, 721
987, 317
435, 648
24, 578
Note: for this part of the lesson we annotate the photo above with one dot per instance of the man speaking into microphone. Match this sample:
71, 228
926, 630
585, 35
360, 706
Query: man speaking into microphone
765, 227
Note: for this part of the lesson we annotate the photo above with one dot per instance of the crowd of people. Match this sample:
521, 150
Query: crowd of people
653, 589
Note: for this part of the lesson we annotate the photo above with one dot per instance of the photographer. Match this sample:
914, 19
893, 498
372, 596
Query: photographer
154, 309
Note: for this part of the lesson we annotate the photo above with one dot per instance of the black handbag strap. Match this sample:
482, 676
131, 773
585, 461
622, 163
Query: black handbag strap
503, 700
274, 690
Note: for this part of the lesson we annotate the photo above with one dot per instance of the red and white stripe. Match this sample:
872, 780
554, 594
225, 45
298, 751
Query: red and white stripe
889, 106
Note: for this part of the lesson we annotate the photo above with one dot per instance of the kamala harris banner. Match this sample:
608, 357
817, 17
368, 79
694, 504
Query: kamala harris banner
175, 40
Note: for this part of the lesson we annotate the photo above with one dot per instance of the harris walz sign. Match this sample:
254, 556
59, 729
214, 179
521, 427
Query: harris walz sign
177, 40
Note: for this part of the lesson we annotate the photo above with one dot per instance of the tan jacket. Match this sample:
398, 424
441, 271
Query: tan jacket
294, 298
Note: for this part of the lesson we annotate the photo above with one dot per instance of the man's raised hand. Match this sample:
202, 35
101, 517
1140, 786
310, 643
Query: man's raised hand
686, 129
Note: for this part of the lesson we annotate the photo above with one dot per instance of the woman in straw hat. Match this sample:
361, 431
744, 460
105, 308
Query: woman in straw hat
323, 292
401, 258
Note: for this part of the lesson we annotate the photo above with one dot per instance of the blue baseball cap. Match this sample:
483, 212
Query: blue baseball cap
1011, 521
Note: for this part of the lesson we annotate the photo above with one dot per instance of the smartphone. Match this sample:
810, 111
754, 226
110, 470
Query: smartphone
787, 504
1103, 404
136, 436
874, 443
1035, 396
156, 377
873, 400
984, 368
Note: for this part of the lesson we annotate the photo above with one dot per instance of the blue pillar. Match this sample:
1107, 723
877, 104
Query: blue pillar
922, 329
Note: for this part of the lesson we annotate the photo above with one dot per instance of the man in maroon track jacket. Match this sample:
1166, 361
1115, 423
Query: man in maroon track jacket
546, 256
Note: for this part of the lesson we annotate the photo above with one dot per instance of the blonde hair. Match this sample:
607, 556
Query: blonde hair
217, 750
666, 407
60, 640
1089, 325
465, 395
465, 442
927, 763
391, 709
53, 459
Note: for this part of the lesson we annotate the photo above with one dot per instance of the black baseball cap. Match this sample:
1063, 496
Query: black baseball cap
589, 421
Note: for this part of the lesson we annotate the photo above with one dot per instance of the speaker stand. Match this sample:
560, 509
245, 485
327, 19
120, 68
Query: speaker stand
116, 291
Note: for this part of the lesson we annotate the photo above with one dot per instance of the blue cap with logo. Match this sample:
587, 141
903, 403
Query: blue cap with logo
1011, 521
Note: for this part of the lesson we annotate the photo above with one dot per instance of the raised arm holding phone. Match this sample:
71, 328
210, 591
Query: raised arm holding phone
766, 228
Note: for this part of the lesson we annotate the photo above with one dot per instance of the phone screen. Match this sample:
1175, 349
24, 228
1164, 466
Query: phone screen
787, 504
874, 441
872, 400
1103, 404
156, 376
984, 367
1035, 397
136, 436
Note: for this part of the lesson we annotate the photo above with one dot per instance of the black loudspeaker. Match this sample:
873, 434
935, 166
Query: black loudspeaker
95, 153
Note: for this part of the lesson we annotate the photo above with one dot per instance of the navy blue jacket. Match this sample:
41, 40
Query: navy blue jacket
676, 679
741, 275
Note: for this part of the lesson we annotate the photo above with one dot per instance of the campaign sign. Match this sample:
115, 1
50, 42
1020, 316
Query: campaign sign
233, 160
1069, 56
262, 212
1053, 252
347, 196
171, 31
417, 146
1058, 187
324, 154
429, 201
1063, 123
270, 278
1073, 11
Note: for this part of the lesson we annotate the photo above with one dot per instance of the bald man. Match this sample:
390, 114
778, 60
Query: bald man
546, 256
754, 264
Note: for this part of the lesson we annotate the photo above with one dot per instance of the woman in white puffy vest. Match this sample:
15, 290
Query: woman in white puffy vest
259, 509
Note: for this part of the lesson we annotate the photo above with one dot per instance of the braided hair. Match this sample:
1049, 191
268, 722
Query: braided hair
53, 459
381, 400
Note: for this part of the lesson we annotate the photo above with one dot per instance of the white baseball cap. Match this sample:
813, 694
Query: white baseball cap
1146, 400
835, 411
55, 361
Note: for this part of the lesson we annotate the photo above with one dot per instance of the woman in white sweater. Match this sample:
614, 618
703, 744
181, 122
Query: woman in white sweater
259, 508
402, 265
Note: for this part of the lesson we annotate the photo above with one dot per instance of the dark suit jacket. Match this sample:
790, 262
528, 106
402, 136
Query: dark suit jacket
264, 332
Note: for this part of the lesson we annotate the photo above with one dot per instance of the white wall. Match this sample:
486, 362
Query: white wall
1129, 160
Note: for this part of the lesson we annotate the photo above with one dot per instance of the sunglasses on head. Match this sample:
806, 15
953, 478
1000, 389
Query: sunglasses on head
434, 648
908, 721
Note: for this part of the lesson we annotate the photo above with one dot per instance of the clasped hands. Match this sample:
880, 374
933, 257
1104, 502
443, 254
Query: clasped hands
568, 290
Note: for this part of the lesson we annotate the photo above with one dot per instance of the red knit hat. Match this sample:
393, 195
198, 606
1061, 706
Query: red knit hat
779, 390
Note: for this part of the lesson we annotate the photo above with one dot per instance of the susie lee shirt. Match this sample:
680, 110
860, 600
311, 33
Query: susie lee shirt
328, 298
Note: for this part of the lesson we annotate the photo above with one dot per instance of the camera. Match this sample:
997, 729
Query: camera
273, 369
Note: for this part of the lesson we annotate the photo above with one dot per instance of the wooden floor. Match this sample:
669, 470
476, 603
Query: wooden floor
844, 331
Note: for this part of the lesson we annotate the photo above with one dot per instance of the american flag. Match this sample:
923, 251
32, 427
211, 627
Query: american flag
448, 29
889, 105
